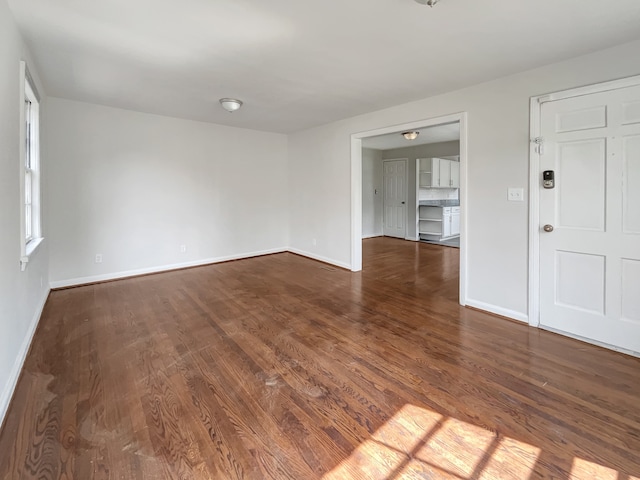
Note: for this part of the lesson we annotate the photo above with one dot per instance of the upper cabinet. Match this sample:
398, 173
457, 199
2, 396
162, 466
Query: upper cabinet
438, 173
455, 174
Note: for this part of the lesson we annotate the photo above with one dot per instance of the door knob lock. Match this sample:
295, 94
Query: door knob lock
548, 228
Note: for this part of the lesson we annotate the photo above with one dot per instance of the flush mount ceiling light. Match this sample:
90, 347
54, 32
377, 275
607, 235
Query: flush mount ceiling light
230, 104
410, 135
431, 3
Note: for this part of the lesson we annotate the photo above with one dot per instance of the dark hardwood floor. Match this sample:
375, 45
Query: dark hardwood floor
281, 367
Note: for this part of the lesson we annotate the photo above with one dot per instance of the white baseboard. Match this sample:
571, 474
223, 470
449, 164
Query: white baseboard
591, 341
163, 268
176, 266
373, 235
14, 375
503, 312
320, 258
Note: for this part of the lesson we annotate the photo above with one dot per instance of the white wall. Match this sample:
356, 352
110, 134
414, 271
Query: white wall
134, 187
441, 149
371, 192
498, 123
22, 294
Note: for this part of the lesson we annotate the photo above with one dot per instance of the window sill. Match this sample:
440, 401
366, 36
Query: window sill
30, 249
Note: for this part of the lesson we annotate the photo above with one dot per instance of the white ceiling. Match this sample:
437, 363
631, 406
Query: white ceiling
439, 133
297, 64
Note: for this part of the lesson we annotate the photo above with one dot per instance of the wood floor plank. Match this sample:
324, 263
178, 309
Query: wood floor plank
281, 367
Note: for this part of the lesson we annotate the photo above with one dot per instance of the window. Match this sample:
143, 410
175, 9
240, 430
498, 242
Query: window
30, 168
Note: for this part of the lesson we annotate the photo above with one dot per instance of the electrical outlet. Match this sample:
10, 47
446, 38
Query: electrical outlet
515, 194
98, 258
183, 249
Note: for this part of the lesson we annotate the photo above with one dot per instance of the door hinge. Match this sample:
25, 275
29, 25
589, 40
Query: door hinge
539, 143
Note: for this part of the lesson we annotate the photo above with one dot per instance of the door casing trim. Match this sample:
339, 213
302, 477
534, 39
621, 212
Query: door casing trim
534, 179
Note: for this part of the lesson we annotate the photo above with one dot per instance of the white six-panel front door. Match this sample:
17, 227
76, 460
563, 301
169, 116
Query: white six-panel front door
395, 197
590, 261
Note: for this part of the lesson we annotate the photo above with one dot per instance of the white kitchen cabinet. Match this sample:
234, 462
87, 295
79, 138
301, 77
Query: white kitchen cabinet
437, 223
430, 221
438, 173
455, 221
428, 172
446, 222
455, 174
449, 173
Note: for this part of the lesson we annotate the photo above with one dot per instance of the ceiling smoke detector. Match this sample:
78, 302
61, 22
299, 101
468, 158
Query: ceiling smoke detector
230, 104
431, 3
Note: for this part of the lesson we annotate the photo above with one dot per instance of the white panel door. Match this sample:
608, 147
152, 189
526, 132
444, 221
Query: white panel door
395, 198
590, 261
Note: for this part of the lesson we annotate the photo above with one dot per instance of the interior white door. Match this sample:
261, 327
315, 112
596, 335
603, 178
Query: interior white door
395, 198
590, 261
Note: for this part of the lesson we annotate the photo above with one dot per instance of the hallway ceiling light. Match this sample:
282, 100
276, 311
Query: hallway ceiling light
412, 135
230, 104
431, 3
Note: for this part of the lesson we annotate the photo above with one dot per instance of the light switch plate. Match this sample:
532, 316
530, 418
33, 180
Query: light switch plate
515, 194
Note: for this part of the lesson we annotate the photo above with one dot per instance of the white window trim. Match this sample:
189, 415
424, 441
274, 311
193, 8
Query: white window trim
28, 248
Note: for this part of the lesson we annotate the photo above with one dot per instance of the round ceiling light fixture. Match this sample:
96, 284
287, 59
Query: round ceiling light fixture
431, 3
230, 104
412, 135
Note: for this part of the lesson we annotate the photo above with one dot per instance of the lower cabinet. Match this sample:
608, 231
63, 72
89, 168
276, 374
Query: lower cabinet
436, 223
455, 221
446, 222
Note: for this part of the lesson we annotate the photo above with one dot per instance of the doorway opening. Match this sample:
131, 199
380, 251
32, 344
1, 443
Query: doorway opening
435, 194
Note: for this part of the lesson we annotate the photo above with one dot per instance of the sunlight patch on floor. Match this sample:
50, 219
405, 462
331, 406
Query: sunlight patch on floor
510, 459
582, 469
457, 447
370, 460
405, 430
419, 443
